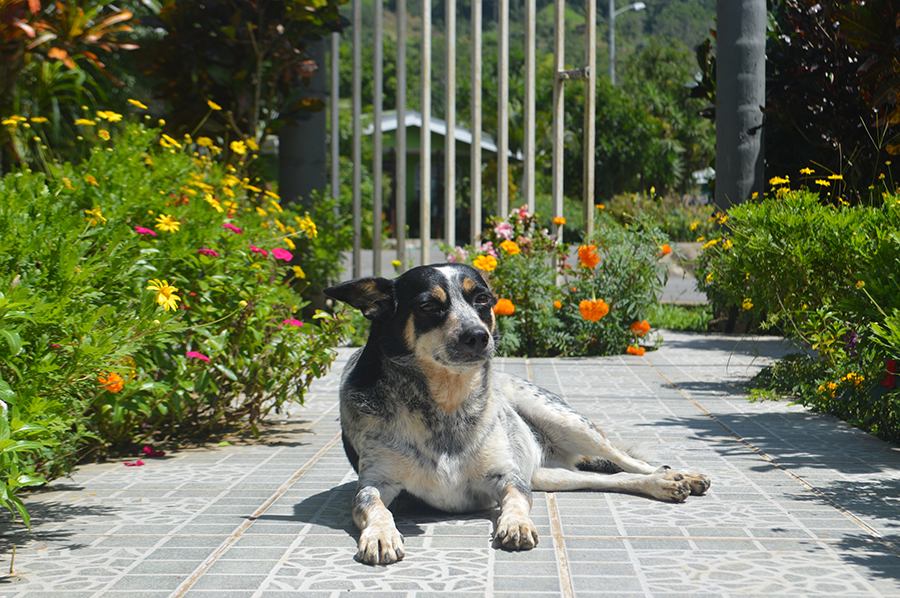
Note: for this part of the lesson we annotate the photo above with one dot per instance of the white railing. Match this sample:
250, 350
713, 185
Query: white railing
502, 134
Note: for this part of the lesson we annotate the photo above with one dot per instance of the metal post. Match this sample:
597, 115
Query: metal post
559, 45
450, 117
378, 141
425, 143
612, 41
530, 43
503, 112
400, 173
475, 200
357, 138
335, 117
590, 115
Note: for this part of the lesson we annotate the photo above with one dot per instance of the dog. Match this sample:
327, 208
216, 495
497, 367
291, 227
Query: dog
423, 412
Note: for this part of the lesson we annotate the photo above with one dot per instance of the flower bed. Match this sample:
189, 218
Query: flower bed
825, 273
551, 302
146, 293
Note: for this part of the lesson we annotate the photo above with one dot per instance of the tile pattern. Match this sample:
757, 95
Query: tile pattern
801, 504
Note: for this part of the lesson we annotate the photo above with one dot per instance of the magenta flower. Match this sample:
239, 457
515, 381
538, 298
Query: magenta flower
144, 231
282, 254
209, 252
152, 452
197, 355
137, 463
256, 249
292, 322
235, 229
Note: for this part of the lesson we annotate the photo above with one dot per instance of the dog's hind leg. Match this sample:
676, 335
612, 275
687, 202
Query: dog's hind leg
572, 439
380, 543
663, 484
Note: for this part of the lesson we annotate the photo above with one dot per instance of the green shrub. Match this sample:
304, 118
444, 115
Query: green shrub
824, 273
549, 306
148, 292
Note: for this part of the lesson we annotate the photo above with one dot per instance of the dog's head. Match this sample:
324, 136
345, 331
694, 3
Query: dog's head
442, 313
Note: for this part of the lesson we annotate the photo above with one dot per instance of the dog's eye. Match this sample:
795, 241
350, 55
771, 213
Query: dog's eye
482, 299
428, 306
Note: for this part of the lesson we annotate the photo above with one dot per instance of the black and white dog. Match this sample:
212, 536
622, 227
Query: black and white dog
421, 411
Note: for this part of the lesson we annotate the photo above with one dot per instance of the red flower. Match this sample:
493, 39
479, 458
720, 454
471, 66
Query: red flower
209, 252
197, 355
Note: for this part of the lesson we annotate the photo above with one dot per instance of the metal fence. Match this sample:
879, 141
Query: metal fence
501, 135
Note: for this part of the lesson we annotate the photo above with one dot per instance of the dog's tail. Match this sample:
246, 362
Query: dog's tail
637, 450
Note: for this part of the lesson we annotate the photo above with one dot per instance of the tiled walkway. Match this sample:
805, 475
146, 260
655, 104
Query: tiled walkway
801, 505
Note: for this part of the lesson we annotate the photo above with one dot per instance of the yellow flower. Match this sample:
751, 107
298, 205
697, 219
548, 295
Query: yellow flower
807, 171
307, 226
722, 218
485, 262
823, 182
167, 141
103, 134
39, 119
836, 177
860, 284
208, 198
67, 183
273, 195
747, 304
510, 247
167, 223
275, 205
261, 211
396, 263
84, 121
710, 277
853, 377
289, 243
212, 105
298, 272
90, 179
694, 225
774, 181
728, 244
94, 217
137, 104
252, 145
165, 294
204, 142
109, 115
710, 243
238, 147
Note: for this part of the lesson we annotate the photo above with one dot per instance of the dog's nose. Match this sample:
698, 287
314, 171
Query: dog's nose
475, 339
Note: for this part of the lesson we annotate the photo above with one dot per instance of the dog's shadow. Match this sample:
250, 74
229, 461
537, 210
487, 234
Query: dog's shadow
331, 509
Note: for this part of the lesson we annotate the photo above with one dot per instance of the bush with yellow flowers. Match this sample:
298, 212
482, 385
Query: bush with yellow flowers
145, 293
805, 262
554, 299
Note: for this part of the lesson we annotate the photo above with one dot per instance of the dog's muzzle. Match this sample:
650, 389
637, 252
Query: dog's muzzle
474, 344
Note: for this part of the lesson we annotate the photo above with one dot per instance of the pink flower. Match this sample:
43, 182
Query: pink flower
209, 252
488, 248
197, 355
233, 228
256, 249
292, 322
282, 254
144, 231
504, 230
523, 213
137, 463
151, 452
459, 255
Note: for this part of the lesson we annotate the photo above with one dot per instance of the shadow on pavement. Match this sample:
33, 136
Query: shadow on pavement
43, 513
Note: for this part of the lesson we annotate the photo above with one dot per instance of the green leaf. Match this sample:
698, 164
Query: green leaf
228, 373
13, 340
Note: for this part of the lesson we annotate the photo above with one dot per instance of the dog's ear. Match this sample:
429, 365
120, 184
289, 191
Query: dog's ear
374, 297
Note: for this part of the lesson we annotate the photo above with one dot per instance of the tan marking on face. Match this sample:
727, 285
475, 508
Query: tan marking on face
468, 285
449, 388
439, 294
409, 333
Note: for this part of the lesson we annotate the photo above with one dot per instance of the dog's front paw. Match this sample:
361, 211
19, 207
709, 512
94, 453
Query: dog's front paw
516, 532
668, 485
699, 483
380, 545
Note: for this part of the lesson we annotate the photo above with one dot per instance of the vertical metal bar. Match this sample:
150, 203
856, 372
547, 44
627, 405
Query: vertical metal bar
400, 174
612, 41
503, 113
357, 138
378, 141
335, 117
475, 201
559, 48
425, 143
590, 115
450, 117
530, 85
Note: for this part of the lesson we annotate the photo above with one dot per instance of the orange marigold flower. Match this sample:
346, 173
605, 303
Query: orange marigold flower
593, 310
111, 382
635, 350
665, 249
559, 221
485, 262
557, 305
587, 255
510, 247
640, 328
504, 307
